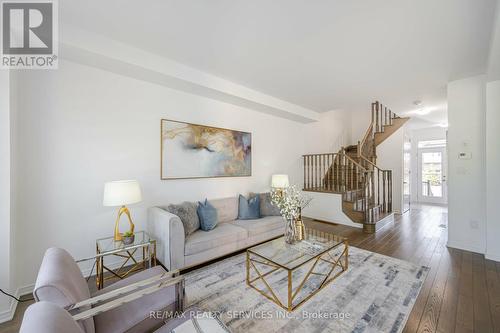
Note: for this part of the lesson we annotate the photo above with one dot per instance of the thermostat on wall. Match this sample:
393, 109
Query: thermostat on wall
464, 155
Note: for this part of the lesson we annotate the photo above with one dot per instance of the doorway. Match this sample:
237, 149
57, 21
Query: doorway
432, 167
406, 174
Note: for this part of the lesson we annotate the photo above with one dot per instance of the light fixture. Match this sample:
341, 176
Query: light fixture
121, 193
421, 111
280, 181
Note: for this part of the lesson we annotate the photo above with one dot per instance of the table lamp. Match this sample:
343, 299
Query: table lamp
121, 193
279, 181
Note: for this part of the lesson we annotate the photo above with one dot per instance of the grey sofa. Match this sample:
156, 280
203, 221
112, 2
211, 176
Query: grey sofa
176, 251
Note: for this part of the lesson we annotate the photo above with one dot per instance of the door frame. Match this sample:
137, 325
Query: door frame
407, 164
443, 200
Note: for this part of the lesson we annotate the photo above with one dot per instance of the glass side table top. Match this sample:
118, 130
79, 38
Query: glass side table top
108, 244
291, 256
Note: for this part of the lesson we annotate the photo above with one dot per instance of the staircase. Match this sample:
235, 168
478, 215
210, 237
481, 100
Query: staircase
352, 172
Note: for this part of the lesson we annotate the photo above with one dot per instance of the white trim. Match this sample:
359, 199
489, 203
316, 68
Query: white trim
7, 315
443, 199
463, 247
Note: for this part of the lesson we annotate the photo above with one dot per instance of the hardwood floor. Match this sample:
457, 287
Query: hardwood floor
462, 289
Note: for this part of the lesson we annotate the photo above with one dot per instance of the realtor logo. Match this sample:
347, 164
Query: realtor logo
29, 31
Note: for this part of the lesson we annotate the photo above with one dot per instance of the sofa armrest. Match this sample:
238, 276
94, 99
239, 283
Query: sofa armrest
114, 302
133, 287
168, 231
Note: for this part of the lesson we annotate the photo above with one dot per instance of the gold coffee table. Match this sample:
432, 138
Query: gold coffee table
315, 262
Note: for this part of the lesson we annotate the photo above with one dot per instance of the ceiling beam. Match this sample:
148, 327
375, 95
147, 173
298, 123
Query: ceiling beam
97, 51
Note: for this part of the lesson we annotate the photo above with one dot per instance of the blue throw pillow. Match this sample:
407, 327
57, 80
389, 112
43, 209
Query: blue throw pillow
249, 209
208, 215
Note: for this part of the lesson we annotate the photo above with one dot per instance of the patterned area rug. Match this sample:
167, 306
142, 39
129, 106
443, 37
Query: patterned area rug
375, 294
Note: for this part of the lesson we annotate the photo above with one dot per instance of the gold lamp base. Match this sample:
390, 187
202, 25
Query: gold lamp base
118, 235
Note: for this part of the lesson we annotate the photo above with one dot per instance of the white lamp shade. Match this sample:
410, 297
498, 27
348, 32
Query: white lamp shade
280, 181
121, 192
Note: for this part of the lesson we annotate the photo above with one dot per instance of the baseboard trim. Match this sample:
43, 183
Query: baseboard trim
7, 315
462, 247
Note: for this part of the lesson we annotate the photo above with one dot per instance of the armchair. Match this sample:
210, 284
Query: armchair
124, 306
46, 317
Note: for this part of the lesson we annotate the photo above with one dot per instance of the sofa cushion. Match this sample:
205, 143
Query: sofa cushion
249, 209
227, 209
208, 215
186, 211
135, 316
262, 225
222, 234
266, 206
47, 317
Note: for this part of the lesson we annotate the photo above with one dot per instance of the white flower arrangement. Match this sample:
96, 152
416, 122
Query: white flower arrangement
290, 201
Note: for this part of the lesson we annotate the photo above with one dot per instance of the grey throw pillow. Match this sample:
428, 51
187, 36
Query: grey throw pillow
266, 206
186, 211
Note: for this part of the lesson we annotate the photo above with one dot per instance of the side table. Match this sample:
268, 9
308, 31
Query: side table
109, 247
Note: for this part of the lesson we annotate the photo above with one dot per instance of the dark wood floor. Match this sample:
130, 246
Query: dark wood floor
461, 292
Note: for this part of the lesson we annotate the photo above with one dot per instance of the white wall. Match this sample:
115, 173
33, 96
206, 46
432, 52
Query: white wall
424, 134
5, 220
329, 134
77, 127
390, 155
327, 207
361, 119
466, 178
98, 51
493, 169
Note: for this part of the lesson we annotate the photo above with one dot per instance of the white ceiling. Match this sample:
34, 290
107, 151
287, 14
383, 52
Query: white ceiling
322, 55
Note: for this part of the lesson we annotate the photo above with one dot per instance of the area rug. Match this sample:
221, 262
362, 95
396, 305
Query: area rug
375, 294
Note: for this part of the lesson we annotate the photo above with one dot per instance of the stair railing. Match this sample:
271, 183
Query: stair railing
379, 185
317, 175
355, 172
336, 173
381, 116
340, 173
332, 172
366, 146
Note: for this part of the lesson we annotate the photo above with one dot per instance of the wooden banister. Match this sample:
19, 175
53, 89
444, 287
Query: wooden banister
366, 189
352, 160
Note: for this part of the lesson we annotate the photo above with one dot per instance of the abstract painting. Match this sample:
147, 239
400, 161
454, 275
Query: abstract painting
197, 151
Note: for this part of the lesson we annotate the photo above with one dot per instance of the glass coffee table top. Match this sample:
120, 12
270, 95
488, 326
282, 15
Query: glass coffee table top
108, 244
291, 256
